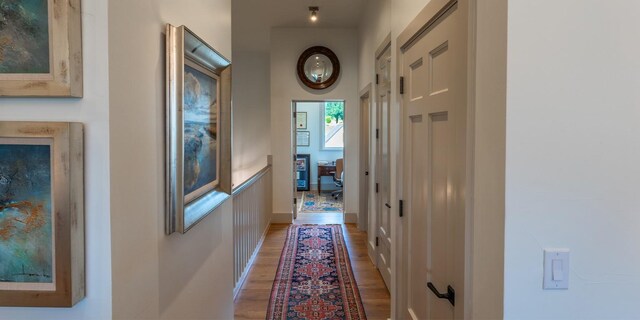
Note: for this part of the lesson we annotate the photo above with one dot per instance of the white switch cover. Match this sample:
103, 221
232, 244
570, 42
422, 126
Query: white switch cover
556, 269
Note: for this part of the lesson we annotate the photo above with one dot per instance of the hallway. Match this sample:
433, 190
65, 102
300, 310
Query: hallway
253, 299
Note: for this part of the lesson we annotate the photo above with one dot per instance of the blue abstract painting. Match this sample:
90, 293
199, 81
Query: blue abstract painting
26, 243
24, 36
200, 131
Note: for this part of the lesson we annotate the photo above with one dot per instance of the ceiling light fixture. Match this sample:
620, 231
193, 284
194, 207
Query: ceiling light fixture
314, 13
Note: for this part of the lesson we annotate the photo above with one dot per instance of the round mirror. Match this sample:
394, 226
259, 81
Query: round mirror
318, 68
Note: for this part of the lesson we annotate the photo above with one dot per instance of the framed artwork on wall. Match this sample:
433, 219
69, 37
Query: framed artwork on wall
41, 214
40, 48
303, 169
198, 129
301, 120
303, 138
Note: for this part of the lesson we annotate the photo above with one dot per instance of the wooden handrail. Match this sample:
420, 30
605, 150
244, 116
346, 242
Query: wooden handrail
247, 183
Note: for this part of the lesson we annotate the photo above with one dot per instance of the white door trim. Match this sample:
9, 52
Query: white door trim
294, 149
365, 158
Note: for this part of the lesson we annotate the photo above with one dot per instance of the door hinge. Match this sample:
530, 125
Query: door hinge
401, 85
295, 200
295, 114
401, 208
377, 133
377, 78
366, 173
377, 242
377, 187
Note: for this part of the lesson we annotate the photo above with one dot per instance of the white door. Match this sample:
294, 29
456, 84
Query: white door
383, 172
365, 108
434, 154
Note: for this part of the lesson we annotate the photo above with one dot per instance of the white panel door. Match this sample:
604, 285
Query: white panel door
434, 154
383, 172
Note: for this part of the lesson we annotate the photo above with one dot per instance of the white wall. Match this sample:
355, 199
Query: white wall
313, 110
286, 46
157, 276
573, 149
251, 91
93, 111
251, 114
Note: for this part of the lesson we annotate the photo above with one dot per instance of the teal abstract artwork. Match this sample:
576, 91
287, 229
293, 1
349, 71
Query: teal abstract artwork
26, 245
24, 36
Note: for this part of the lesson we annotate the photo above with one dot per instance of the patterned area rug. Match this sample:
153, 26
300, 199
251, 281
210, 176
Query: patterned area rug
324, 202
314, 279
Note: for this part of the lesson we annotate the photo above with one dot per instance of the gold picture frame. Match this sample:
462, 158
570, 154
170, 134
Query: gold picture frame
41, 214
43, 59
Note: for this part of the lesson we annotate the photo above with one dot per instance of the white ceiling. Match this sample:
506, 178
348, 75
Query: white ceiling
253, 19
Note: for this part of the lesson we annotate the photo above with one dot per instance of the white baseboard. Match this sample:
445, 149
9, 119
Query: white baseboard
245, 273
351, 217
282, 218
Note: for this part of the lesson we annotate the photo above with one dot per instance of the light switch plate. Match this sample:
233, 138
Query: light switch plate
556, 269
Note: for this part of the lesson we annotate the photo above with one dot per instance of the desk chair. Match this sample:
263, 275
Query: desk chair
338, 178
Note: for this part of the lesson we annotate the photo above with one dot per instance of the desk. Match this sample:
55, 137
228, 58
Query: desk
325, 171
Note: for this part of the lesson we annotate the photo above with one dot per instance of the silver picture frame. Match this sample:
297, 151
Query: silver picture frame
303, 138
183, 45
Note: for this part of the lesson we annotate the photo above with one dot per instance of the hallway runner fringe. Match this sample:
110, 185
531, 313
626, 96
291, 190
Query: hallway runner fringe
314, 279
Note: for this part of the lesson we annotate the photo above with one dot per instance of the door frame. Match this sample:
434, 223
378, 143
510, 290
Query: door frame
365, 174
294, 148
294, 157
486, 130
373, 205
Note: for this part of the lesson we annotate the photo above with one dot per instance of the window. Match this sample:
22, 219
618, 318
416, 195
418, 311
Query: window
332, 117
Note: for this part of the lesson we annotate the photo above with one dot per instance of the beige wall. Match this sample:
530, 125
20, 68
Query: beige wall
93, 111
286, 47
157, 276
251, 114
251, 91
573, 149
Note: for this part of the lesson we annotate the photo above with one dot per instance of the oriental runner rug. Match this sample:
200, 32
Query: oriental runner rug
314, 279
312, 202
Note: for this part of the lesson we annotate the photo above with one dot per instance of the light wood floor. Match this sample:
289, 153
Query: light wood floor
253, 299
320, 218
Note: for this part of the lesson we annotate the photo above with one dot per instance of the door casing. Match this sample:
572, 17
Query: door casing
294, 149
365, 157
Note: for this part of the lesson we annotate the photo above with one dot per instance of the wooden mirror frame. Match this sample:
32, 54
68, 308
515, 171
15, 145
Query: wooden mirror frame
334, 61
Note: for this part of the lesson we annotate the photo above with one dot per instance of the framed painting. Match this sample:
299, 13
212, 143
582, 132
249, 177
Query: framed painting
303, 138
303, 171
301, 120
198, 129
41, 214
40, 48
